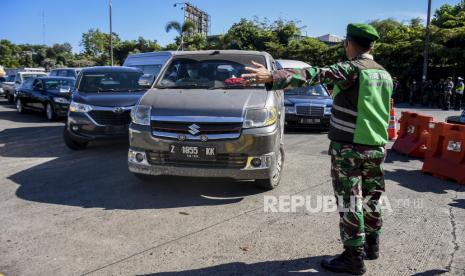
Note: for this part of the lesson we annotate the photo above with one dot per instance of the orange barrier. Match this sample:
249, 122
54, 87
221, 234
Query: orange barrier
414, 133
392, 129
446, 155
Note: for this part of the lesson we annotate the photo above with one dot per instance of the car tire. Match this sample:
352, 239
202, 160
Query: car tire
273, 182
73, 144
20, 106
50, 112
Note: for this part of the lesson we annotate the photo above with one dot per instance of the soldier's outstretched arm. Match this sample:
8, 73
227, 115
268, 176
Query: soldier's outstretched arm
343, 74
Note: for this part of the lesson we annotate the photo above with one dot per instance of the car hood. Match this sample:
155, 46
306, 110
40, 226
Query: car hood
57, 93
200, 102
296, 99
111, 99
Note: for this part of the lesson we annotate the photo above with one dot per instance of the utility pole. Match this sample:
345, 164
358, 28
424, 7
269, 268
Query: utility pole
183, 7
111, 36
427, 38
43, 27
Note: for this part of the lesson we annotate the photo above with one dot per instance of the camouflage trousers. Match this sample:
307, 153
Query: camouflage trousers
358, 182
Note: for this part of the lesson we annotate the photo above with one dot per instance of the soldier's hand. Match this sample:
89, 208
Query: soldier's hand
259, 74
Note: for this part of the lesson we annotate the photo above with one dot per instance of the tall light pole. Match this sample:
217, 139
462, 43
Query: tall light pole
111, 36
184, 4
427, 38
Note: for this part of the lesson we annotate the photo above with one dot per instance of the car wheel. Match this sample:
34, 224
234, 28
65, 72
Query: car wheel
273, 182
49, 112
71, 143
20, 106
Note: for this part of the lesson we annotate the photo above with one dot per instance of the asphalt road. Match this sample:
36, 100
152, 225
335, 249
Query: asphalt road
83, 213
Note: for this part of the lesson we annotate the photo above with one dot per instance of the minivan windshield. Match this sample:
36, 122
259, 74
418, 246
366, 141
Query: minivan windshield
316, 90
116, 81
204, 74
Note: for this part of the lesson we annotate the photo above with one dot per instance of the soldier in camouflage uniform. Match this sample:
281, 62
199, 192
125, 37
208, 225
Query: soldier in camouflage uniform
358, 134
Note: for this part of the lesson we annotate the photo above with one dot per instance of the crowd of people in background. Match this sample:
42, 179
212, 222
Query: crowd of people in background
444, 94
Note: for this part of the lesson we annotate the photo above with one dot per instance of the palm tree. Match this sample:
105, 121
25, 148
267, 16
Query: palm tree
184, 29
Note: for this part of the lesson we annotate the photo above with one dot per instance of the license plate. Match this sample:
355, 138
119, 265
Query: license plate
187, 152
309, 121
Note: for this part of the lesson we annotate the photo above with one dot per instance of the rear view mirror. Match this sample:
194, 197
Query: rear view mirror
146, 80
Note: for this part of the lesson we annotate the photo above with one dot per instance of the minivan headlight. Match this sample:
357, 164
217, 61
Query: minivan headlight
79, 107
260, 117
140, 115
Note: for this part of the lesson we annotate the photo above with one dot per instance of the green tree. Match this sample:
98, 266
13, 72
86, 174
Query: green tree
185, 29
97, 45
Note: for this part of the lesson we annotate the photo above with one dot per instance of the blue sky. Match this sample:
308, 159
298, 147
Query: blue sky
66, 20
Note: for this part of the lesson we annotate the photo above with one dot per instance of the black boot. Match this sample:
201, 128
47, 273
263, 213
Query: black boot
350, 261
372, 247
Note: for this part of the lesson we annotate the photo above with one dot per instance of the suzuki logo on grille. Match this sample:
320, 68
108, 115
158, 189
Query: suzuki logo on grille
118, 110
194, 129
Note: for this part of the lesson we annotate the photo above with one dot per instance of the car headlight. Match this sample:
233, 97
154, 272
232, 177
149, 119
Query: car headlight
60, 100
290, 109
328, 110
260, 117
79, 107
140, 115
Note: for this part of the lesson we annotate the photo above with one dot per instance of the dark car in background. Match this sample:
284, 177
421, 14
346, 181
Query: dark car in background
49, 95
308, 107
65, 72
101, 104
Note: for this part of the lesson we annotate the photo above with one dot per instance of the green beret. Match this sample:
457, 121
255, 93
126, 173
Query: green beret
363, 31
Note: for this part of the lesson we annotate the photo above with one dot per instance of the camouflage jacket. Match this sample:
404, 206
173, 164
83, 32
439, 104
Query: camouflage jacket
362, 94
343, 74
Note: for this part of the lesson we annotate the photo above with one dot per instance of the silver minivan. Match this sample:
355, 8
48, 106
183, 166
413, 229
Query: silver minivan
201, 119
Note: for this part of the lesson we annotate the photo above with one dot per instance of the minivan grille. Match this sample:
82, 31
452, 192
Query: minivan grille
104, 117
196, 128
233, 161
308, 110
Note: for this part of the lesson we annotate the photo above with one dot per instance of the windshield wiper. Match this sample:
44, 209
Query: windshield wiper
235, 87
106, 90
186, 86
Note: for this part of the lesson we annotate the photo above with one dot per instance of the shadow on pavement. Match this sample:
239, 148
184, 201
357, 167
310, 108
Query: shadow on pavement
99, 178
303, 130
458, 203
393, 156
431, 272
310, 265
29, 117
419, 182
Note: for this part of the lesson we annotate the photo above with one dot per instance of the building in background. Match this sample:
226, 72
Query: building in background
200, 18
330, 39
